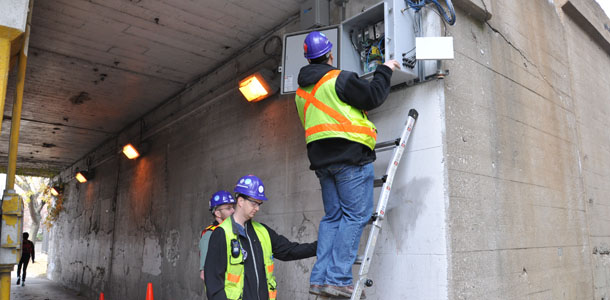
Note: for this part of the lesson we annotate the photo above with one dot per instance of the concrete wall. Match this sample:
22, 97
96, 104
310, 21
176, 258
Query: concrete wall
139, 221
591, 107
527, 146
501, 194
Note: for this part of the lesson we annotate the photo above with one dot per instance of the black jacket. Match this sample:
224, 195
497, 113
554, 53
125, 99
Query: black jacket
357, 92
216, 261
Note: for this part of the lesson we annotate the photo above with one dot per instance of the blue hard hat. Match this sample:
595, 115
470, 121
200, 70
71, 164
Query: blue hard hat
316, 44
220, 198
251, 186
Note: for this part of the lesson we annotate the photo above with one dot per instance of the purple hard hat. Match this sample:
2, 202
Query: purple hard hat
220, 198
316, 44
251, 186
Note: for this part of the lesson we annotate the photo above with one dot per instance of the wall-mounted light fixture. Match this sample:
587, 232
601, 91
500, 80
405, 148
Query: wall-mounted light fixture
258, 86
56, 190
130, 151
83, 176
135, 150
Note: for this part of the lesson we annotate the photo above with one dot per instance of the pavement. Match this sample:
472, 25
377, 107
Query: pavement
37, 286
41, 289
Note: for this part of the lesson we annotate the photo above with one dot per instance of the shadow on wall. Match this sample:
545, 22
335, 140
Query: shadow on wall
404, 207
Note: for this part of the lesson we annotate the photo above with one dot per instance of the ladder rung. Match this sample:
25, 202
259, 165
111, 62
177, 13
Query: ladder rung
383, 146
380, 181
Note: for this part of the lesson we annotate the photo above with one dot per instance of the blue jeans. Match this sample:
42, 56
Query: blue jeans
347, 193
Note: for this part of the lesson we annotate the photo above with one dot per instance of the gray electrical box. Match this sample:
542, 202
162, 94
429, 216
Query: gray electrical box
293, 58
314, 13
382, 32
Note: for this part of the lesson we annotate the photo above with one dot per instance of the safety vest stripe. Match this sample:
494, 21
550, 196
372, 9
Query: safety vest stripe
233, 277
342, 128
270, 268
328, 76
321, 106
272, 294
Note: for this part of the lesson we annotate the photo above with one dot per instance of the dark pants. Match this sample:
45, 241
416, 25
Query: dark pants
25, 260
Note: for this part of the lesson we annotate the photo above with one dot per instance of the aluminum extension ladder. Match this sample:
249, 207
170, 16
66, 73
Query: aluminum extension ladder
398, 145
379, 215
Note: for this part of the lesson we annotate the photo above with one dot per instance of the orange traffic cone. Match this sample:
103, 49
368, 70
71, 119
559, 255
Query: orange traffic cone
101, 296
149, 292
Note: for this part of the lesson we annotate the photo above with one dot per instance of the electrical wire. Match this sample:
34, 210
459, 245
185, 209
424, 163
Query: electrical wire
417, 5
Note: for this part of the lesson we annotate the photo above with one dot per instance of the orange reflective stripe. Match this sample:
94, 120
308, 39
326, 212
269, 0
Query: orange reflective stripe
342, 128
272, 294
321, 106
328, 76
233, 277
270, 268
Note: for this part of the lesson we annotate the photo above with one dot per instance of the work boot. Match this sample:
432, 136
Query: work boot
316, 289
341, 291
18, 280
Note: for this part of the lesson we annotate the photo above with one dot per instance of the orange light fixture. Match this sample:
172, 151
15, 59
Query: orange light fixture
254, 87
83, 176
130, 151
54, 191
80, 177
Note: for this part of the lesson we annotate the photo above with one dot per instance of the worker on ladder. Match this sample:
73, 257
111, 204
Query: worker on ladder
332, 106
222, 206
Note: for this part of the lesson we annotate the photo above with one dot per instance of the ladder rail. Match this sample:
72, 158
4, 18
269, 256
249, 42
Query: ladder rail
381, 205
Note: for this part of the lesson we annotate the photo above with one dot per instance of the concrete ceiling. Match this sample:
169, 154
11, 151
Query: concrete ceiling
96, 66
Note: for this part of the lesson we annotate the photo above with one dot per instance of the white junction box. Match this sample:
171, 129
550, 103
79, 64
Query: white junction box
434, 48
382, 32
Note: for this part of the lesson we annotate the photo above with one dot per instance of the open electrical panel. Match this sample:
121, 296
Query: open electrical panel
361, 43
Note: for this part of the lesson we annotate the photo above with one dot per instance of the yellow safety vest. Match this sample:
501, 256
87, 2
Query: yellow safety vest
234, 276
331, 117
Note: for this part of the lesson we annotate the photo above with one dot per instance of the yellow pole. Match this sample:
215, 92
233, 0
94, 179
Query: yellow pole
5, 285
5, 61
5, 270
16, 118
8, 38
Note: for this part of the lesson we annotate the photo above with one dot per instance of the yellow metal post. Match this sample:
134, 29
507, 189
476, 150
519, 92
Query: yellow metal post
10, 40
12, 207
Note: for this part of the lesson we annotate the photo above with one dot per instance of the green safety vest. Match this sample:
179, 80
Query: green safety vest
332, 118
234, 276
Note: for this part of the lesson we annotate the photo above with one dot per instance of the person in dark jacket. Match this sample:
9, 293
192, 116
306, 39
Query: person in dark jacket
332, 107
27, 251
239, 262
222, 205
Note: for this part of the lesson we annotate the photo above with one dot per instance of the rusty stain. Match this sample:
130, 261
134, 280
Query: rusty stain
9, 240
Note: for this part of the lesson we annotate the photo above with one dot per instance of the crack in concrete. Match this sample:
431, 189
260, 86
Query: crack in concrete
518, 50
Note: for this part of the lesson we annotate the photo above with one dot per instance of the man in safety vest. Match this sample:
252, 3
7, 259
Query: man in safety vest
332, 106
222, 205
239, 263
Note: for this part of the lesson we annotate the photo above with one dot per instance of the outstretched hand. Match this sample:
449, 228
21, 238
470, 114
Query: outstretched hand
392, 64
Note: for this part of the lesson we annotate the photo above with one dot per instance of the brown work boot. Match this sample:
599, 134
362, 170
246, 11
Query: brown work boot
341, 291
316, 289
